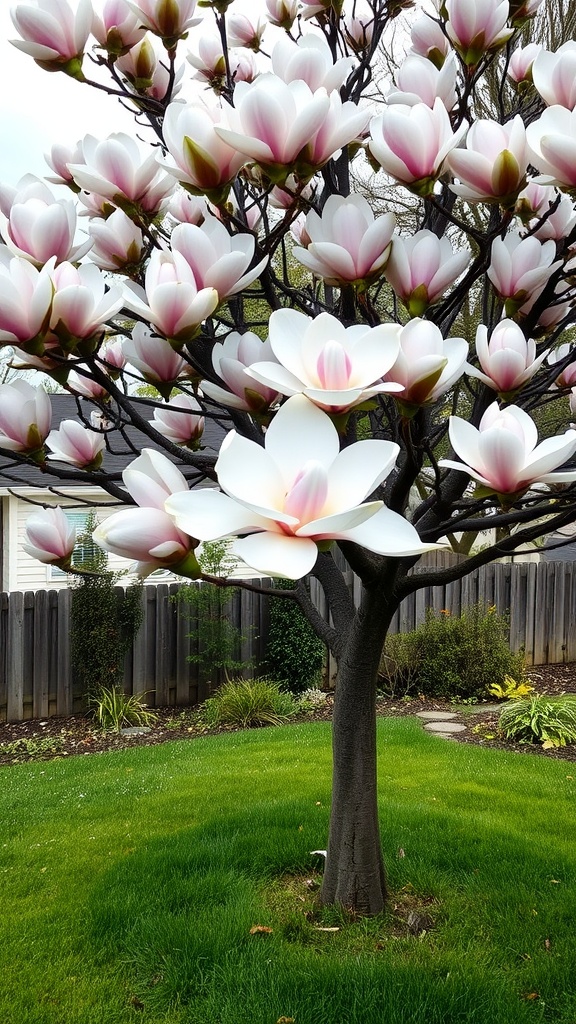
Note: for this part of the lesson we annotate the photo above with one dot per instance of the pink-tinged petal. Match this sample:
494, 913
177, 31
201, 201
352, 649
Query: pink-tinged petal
501, 459
417, 150
388, 533
524, 425
325, 259
151, 478
560, 152
374, 245
333, 367
253, 148
275, 376
551, 453
50, 537
224, 272
300, 427
247, 278
136, 532
275, 554
307, 496
211, 515
307, 123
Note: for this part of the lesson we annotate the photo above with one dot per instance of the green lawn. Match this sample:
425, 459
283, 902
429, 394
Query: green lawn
130, 883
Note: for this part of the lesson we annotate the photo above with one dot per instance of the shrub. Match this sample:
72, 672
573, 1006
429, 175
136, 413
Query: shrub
399, 665
246, 702
104, 621
114, 709
294, 654
452, 656
547, 720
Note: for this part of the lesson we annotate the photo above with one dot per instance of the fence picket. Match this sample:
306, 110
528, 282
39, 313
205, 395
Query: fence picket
15, 658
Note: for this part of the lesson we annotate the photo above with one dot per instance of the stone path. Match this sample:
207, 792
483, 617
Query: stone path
445, 724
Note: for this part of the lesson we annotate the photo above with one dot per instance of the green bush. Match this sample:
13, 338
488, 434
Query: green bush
449, 656
104, 620
294, 654
246, 702
547, 720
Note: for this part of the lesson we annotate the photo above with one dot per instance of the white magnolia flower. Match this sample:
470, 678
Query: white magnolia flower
298, 490
336, 367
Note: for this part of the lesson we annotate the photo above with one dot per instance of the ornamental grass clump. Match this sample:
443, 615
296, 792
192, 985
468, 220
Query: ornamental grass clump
550, 721
115, 710
248, 702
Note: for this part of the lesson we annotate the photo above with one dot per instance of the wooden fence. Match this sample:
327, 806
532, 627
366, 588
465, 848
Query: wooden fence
35, 672
36, 678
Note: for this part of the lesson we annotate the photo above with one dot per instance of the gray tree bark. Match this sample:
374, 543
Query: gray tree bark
354, 876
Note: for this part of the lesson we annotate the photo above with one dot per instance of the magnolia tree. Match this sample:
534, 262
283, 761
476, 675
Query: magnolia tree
367, 284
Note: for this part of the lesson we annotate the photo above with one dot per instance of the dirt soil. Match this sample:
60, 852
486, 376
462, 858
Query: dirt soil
62, 737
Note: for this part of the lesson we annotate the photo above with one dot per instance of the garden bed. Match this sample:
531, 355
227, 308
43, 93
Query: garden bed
62, 737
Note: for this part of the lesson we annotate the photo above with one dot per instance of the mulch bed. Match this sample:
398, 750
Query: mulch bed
62, 737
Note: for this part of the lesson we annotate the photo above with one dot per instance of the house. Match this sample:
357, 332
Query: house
19, 492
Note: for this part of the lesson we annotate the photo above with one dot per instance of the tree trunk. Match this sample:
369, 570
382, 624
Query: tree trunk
354, 876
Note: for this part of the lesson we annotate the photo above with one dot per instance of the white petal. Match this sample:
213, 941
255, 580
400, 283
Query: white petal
339, 524
357, 471
300, 432
275, 554
210, 515
248, 473
388, 533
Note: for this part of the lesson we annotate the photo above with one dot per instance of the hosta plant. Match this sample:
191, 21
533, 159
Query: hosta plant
550, 721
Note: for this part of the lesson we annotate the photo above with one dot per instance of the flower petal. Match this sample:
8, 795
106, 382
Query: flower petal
275, 554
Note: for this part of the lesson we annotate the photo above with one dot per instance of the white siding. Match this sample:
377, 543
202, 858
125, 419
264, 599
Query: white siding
25, 572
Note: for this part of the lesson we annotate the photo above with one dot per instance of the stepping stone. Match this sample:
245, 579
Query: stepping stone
440, 728
478, 709
436, 716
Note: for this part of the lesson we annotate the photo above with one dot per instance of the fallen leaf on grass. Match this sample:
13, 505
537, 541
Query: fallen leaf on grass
547, 944
531, 996
286, 1020
319, 929
260, 929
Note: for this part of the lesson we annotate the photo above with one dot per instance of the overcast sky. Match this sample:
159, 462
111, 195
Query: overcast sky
38, 108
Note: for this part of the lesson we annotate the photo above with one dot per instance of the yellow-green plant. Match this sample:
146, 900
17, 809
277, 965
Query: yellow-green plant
510, 689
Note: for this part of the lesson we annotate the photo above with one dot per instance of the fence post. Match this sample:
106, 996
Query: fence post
15, 658
64, 683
